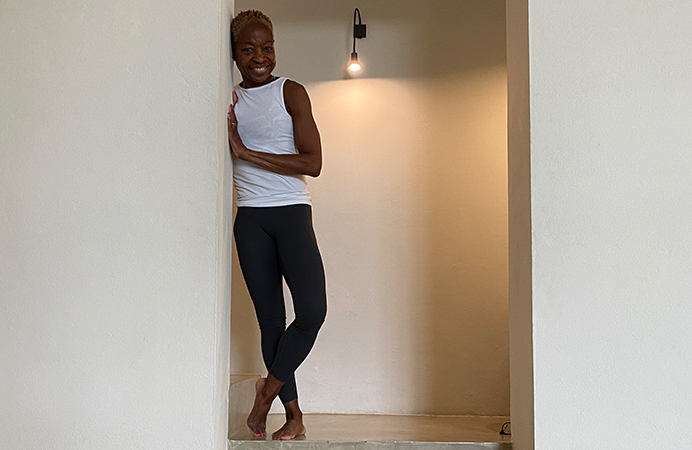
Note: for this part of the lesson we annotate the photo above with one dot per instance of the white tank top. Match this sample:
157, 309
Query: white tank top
265, 125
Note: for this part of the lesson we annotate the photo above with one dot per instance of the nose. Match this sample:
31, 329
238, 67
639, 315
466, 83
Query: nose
259, 56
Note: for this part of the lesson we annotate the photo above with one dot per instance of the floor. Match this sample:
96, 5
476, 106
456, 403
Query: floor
364, 432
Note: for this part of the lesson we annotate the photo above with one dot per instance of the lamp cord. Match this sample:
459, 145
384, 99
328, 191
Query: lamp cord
360, 22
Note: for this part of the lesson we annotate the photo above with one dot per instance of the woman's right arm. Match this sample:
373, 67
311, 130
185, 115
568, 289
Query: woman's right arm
308, 159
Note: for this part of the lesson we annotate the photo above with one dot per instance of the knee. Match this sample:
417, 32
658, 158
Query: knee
272, 324
311, 322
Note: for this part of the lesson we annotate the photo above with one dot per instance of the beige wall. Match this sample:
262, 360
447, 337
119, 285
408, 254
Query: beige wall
410, 210
520, 262
114, 327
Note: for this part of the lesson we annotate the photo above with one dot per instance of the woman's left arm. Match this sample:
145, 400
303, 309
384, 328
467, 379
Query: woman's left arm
308, 159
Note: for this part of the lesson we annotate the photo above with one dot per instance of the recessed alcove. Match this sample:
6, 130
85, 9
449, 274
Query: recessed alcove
410, 210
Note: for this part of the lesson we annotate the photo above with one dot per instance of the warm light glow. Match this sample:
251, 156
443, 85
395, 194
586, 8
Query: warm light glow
354, 66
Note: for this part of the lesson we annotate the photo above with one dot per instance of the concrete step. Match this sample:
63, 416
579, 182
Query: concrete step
241, 397
383, 432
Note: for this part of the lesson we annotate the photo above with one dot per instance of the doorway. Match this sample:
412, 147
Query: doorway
410, 210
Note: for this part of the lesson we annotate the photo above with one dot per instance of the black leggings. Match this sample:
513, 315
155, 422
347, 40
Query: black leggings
273, 242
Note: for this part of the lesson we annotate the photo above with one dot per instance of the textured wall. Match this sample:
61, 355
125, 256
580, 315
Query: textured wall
611, 205
111, 321
410, 209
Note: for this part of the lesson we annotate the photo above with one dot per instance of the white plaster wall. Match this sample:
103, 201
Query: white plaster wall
611, 101
114, 326
410, 209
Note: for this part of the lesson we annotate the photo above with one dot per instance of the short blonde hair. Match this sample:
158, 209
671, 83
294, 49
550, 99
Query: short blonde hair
243, 18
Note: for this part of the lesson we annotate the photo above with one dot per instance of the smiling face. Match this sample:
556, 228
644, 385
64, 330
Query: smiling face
254, 54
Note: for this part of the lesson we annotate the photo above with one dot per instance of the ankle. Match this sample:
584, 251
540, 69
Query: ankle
271, 388
263, 401
293, 410
295, 415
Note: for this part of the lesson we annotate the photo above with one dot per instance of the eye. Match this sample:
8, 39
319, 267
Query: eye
246, 50
269, 48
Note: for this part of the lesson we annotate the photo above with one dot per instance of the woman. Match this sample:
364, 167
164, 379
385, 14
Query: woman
275, 143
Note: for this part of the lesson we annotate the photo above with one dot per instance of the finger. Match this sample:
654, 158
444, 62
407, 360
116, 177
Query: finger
235, 97
232, 125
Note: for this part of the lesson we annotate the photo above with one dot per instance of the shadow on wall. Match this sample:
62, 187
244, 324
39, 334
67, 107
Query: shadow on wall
410, 210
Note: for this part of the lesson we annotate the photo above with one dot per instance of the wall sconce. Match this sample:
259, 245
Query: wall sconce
358, 33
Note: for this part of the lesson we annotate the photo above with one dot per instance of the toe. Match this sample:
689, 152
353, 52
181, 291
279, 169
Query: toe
277, 434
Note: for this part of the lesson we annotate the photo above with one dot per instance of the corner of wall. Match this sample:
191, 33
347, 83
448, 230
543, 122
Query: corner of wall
223, 235
520, 248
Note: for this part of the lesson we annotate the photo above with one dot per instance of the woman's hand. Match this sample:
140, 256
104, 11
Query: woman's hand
237, 146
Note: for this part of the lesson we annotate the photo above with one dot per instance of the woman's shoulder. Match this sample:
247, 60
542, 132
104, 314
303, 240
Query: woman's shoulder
293, 87
295, 96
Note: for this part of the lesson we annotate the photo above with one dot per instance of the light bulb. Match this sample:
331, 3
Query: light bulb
354, 65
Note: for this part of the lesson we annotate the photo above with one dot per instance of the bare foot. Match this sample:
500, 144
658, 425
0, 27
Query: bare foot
293, 428
266, 389
256, 420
